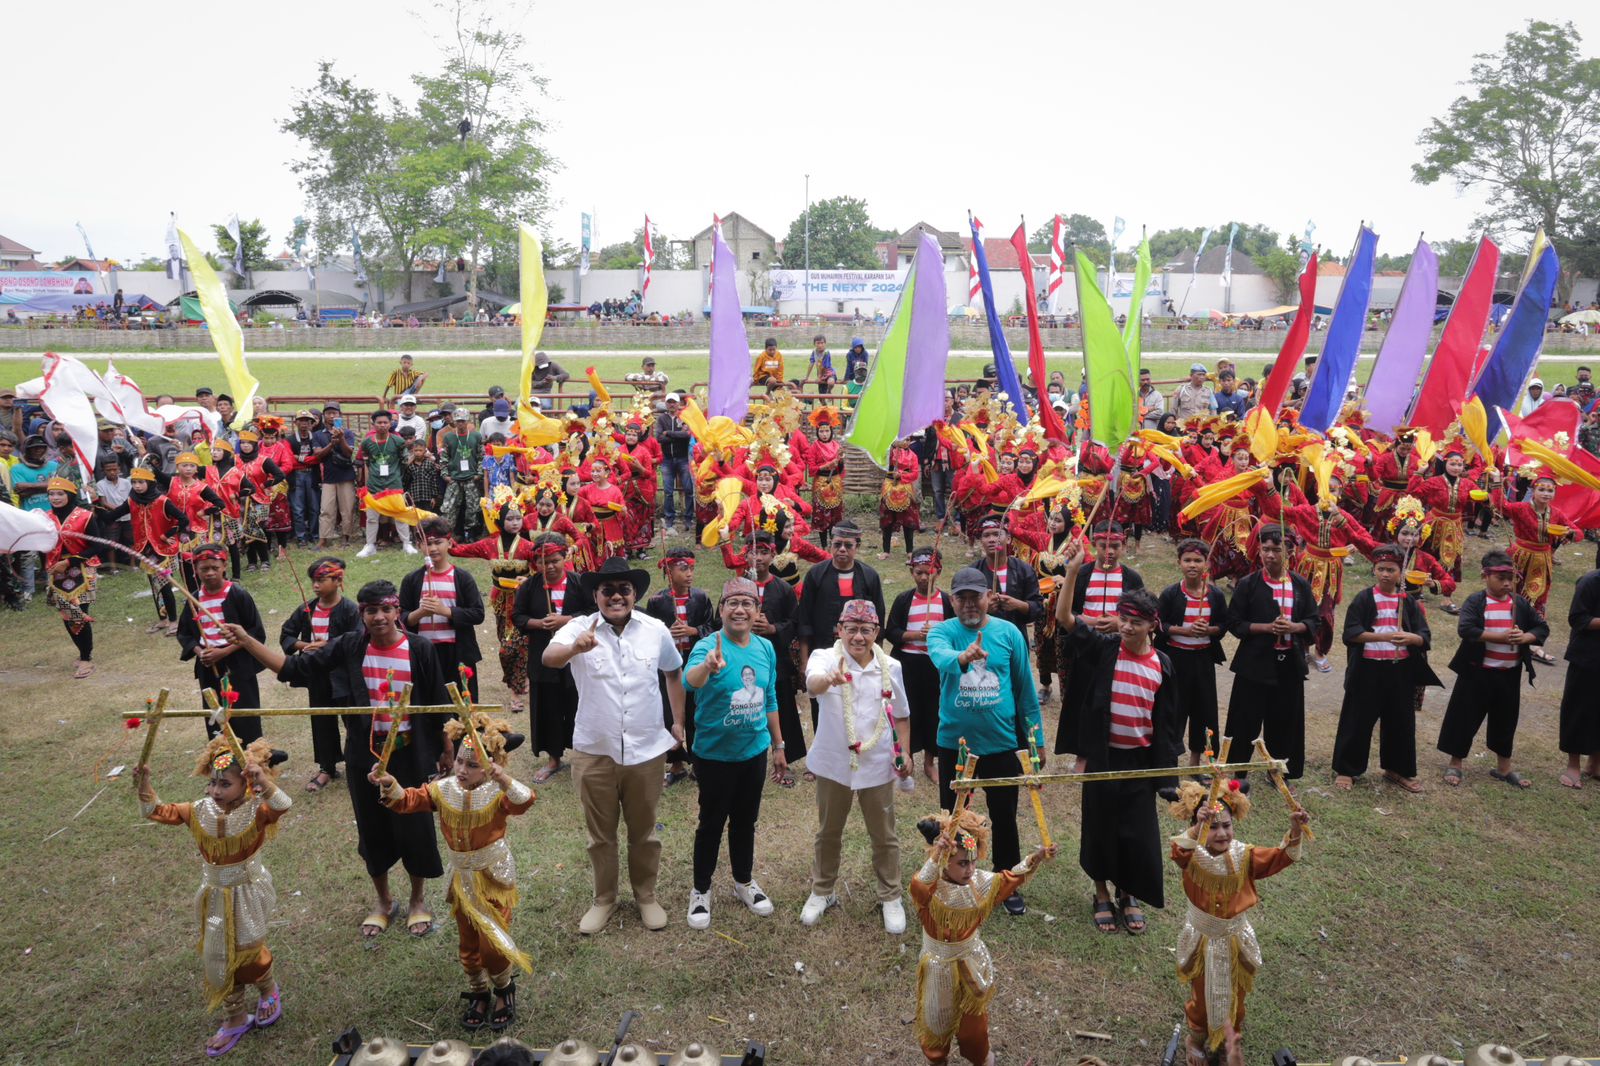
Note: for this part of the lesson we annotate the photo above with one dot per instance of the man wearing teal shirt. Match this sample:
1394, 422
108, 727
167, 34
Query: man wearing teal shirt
735, 675
986, 696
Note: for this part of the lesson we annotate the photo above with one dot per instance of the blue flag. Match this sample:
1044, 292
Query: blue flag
1009, 384
1517, 349
1325, 399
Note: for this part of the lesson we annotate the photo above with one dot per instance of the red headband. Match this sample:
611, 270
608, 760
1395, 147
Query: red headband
1499, 570
1133, 610
384, 601
1114, 538
205, 554
549, 549
327, 570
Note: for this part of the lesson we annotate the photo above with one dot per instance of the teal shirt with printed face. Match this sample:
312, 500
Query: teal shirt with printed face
982, 701
731, 708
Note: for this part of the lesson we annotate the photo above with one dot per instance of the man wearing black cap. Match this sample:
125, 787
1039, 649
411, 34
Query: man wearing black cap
828, 586
619, 742
988, 704
547, 374
460, 450
335, 459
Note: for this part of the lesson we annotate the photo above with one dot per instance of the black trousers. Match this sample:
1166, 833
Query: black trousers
83, 638
1005, 848
1479, 694
789, 728
1196, 675
246, 727
1279, 709
684, 753
922, 693
730, 797
327, 746
383, 837
448, 652
1580, 711
554, 707
1377, 693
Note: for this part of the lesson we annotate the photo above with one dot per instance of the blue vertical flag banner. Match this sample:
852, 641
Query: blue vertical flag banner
586, 238
1337, 362
1517, 348
998, 348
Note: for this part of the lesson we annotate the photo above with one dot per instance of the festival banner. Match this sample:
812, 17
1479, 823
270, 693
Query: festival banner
63, 399
1004, 369
1337, 363
1049, 418
226, 336
1294, 342
1133, 333
861, 286
21, 284
1444, 386
1521, 336
1105, 357
729, 392
1405, 346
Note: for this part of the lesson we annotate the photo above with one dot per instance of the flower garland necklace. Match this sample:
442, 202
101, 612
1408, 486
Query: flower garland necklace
848, 696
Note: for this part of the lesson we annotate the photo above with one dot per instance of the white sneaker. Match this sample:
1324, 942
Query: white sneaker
812, 912
752, 896
894, 917
410, 549
368, 552
699, 910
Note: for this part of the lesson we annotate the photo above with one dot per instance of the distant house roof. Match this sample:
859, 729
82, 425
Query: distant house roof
999, 251
26, 264
1211, 261
948, 242
739, 222
1327, 268
10, 249
97, 266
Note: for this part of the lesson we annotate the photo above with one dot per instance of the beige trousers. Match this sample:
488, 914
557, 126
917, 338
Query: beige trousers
877, 810
607, 791
339, 510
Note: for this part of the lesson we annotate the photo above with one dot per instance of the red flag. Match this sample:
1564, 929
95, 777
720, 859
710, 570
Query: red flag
1444, 387
649, 257
1580, 503
1058, 270
974, 286
1294, 343
1554, 424
1048, 416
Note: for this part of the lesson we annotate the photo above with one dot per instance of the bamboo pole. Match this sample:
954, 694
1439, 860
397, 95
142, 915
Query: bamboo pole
298, 712
1031, 780
157, 711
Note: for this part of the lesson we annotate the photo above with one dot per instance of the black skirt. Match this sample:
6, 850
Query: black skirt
554, 707
922, 693
384, 837
1580, 711
1121, 838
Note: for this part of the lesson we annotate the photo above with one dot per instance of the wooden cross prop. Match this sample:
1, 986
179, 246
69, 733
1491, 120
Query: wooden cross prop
156, 712
464, 708
219, 718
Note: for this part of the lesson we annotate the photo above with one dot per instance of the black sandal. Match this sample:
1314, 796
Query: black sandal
1126, 904
477, 1012
506, 1014
1105, 916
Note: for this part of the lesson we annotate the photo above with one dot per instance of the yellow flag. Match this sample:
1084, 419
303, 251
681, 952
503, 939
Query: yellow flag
1223, 491
1263, 434
1559, 464
226, 336
535, 296
1475, 426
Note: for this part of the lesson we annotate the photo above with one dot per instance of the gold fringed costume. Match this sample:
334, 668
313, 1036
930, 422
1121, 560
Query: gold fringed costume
483, 874
1218, 954
955, 975
236, 897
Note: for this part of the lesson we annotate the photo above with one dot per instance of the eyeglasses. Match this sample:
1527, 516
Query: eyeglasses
610, 590
745, 602
858, 630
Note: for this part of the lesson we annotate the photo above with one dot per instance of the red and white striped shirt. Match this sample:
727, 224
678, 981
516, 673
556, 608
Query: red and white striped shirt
680, 610
1105, 589
924, 610
211, 635
319, 622
441, 586
1133, 699
1196, 612
1283, 594
377, 666
558, 595
1498, 620
1388, 621
1000, 576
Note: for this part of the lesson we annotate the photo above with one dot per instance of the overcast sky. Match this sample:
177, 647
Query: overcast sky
1166, 113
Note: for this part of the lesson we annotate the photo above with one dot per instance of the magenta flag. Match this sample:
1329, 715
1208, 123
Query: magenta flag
928, 350
1405, 346
729, 392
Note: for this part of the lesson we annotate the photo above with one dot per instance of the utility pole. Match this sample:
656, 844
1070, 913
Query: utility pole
808, 245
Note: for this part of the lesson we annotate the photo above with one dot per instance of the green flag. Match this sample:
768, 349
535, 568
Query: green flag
1132, 337
875, 424
1106, 359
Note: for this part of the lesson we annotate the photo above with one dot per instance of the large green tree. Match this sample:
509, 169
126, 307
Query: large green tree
841, 235
1526, 133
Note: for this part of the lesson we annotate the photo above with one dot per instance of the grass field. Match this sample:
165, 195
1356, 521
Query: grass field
1426, 923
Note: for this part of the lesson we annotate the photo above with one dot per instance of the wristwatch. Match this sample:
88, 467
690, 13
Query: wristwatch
778, 745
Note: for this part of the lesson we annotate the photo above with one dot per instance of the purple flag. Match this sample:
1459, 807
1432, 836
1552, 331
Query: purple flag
928, 350
1405, 346
729, 392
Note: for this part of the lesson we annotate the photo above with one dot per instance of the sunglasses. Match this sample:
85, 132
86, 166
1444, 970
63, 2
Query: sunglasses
610, 590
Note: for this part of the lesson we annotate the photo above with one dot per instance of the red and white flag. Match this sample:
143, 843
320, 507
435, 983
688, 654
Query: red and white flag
64, 400
1057, 263
26, 531
649, 257
974, 286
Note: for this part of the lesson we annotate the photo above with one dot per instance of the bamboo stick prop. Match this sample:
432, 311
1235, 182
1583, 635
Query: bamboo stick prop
966, 767
220, 715
160, 572
464, 706
302, 712
155, 710
1216, 783
392, 741
1034, 736
1276, 776
962, 783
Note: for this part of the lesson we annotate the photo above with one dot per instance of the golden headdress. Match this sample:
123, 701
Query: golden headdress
218, 755
1191, 794
1408, 512
492, 730
968, 828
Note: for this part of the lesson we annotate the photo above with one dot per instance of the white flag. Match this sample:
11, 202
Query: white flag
26, 531
136, 413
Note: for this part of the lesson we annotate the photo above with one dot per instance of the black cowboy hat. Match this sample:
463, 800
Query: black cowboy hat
615, 567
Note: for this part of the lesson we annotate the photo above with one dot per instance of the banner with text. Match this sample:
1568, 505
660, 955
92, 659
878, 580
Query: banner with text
48, 283
880, 287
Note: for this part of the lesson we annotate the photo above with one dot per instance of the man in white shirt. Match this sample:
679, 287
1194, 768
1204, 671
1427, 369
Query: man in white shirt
409, 417
619, 743
853, 758
499, 422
